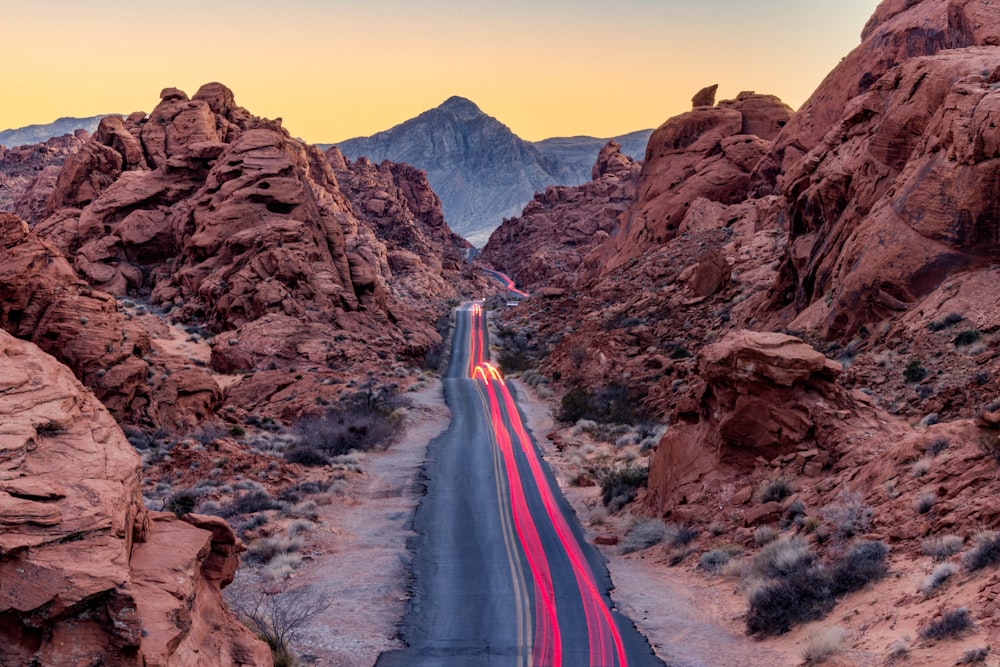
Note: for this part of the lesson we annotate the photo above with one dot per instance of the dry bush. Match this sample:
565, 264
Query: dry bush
643, 535
279, 618
942, 547
952, 624
824, 643
936, 578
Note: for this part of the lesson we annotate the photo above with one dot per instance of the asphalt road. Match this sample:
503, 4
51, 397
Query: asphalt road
501, 572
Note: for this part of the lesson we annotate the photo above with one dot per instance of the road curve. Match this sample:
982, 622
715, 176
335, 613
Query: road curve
501, 572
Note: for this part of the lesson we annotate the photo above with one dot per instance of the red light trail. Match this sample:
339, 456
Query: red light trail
606, 648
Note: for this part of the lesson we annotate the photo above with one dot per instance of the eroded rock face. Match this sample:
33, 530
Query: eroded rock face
28, 173
225, 221
899, 30
43, 300
548, 244
707, 153
81, 560
758, 395
898, 197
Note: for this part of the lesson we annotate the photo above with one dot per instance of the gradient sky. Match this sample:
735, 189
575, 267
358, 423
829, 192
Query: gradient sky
335, 69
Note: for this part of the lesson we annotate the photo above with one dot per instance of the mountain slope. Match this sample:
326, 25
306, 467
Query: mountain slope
482, 171
37, 134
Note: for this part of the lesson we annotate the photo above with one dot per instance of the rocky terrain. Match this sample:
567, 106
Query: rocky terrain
802, 296
214, 283
42, 132
482, 171
90, 575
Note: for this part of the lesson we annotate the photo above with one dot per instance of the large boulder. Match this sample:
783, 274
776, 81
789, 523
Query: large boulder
89, 576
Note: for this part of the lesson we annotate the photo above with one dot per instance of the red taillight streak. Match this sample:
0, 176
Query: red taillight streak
548, 641
601, 627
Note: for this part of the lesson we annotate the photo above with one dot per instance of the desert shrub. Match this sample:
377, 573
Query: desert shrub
282, 565
777, 605
279, 618
182, 502
209, 433
782, 557
265, 549
937, 446
612, 403
863, 564
644, 535
925, 502
981, 378
620, 485
680, 536
975, 655
254, 522
984, 553
921, 467
821, 644
363, 422
774, 489
848, 515
951, 624
914, 371
949, 320
937, 577
248, 503
299, 526
306, 456
714, 560
967, 337
764, 535
898, 650
942, 547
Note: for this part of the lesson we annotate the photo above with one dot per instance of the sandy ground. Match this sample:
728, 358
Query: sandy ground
361, 558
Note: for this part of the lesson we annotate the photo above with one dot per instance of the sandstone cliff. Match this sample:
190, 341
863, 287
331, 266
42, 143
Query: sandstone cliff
89, 575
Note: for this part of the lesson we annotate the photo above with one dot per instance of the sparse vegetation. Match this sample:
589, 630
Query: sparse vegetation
620, 485
975, 655
363, 422
279, 618
943, 547
949, 320
613, 403
926, 502
778, 604
824, 643
265, 549
985, 551
714, 560
938, 445
774, 489
952, 624
936, 578
863, 564
643, 535
848, 515
967, 337
915, 371
182, 502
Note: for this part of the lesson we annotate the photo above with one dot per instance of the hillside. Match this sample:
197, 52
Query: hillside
802, 297
40, 133
482, 171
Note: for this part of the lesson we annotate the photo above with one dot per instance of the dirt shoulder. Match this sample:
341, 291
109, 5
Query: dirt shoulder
686, 619
360, 556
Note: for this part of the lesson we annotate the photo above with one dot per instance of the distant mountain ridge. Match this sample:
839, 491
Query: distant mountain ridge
480, 169
39, 134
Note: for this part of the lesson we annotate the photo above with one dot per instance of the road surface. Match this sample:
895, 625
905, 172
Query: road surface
502, 574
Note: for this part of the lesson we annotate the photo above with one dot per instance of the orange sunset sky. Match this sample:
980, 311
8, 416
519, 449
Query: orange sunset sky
334, 69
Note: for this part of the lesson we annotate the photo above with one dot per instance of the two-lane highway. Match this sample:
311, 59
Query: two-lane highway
502, 575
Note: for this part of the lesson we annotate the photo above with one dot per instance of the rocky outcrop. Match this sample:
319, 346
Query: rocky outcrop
898, 197
28, 173
758, 395
225, 221
707, 153
43, 300
482, 171
705, 97
546, 245
899, 30
90, 576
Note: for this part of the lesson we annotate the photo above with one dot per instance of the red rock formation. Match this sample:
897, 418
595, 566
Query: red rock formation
226, 221
706, 153
28, 173
89, 575
547, 245
899, 197
899, 30
42, 299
